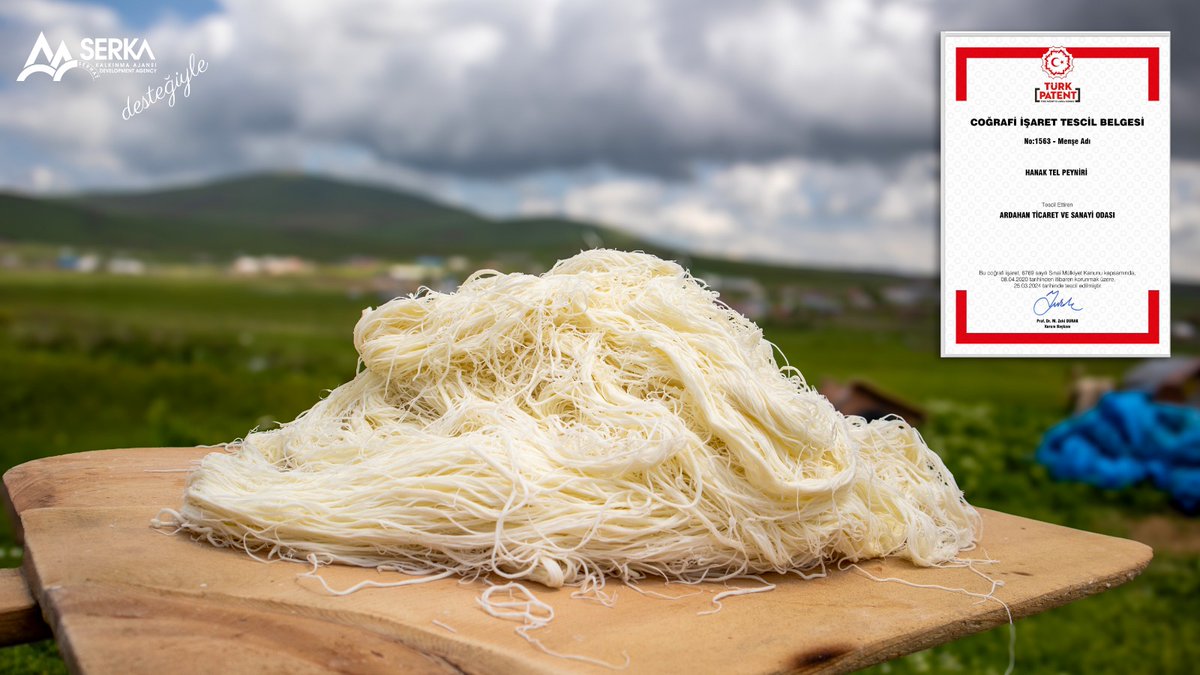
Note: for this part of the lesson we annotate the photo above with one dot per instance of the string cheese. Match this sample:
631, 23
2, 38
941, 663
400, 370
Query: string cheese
610, 418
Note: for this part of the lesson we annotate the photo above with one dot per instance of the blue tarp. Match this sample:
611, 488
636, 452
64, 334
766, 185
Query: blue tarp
1125, 439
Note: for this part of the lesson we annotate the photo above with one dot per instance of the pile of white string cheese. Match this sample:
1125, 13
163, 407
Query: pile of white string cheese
607, 419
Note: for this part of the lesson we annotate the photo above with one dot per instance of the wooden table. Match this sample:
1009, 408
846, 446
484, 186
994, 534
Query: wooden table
122, 597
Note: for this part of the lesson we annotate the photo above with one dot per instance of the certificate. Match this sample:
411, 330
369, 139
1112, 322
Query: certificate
1056, 194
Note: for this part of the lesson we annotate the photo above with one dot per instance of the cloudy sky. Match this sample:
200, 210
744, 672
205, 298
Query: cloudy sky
791, 131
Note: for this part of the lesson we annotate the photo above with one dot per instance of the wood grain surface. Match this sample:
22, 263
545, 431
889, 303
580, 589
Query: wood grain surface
20, 618
122, 597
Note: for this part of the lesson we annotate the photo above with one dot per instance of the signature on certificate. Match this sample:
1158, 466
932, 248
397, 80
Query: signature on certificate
1053, 300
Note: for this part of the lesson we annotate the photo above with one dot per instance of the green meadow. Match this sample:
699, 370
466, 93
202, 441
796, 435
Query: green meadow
92, 361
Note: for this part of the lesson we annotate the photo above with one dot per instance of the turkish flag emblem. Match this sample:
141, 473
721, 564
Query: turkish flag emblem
1057, 62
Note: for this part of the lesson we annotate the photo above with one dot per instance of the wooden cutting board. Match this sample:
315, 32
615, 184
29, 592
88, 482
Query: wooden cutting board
124, 598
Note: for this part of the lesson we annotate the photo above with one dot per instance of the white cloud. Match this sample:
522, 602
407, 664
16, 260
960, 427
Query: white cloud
499, 89
912, 195
865, 215
698, 220
62, 18
1185, 219
496, 89
831, 65
773, 191
623, 200
533, 205
792, 131
43, 179
780, 211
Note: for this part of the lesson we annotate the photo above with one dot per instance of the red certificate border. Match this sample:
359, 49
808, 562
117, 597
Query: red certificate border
963, 54
963, 337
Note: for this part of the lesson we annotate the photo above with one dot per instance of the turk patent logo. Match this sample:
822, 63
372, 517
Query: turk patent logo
57, 62
97, 55
1056, 63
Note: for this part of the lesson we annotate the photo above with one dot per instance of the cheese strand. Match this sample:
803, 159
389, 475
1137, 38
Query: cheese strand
610, 418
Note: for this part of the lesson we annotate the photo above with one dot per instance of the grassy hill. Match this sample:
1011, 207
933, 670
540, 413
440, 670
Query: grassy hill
291, 203
327, 219
29, 220
318, 218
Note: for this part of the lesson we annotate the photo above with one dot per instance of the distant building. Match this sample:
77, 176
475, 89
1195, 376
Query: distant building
820, 303
908, 295
87, 263
126, 266
744, 295
84, 264
859, 299
434, 265
246, 265
446, 285
1183, 330
795, 298
1086, 390
869, 402
1172, 380
426, 269
386, 288
407, 272
286, 265
270, 265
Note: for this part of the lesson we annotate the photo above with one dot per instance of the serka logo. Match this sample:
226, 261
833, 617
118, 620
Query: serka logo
1057, 62
57, 63
97, 55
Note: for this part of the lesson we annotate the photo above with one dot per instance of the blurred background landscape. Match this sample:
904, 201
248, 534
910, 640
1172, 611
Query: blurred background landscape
184, 276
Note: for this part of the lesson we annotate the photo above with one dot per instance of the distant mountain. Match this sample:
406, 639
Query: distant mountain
26, 219
319, 218
81, 224
292, 202
556, 238
326, 219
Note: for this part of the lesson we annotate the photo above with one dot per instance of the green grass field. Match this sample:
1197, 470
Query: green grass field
89, 362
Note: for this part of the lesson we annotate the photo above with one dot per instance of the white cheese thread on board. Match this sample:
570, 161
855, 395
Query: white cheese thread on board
609, 419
